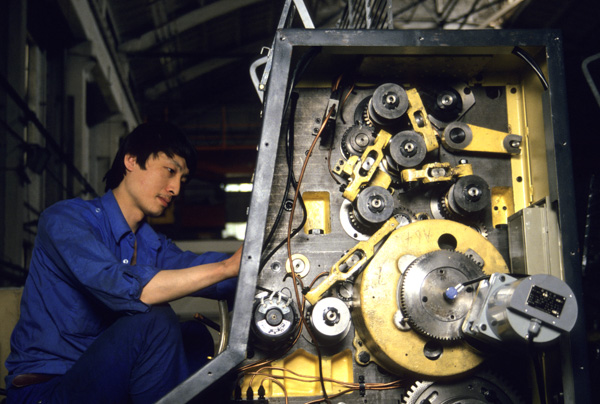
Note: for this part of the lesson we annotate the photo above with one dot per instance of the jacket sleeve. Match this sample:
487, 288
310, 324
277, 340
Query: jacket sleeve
80, 257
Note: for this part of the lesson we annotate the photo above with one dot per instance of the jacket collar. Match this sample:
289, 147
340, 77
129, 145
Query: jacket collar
119, 226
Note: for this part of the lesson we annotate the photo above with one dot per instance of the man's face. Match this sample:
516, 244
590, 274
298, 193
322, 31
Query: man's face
152, 189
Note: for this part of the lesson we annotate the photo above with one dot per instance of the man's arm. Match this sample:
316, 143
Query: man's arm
168, 285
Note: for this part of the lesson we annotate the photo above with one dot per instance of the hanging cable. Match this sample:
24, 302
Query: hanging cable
289, 246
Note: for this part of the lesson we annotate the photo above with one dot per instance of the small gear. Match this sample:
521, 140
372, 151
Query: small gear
361, 115
484, 388
423, 297
373, 206
443, 207
356, 139
479, 227
388, 104
357, 225
366, 118
404, 216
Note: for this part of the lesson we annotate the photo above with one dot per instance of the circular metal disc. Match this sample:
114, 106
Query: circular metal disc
421, 293
374, 205
481, 389
389, 102
408, 148
356, 140
375, 301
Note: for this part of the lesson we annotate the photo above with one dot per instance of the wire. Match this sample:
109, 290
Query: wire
274, 380
533, 64
472, 281
292, 97
289, 243
350, 386
290, 177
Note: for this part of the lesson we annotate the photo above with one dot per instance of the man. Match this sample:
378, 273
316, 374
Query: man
95, 326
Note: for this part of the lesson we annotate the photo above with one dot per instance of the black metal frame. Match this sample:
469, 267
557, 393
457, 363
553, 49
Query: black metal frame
576, 383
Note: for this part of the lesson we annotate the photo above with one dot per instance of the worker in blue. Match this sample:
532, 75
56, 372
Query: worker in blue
95, 324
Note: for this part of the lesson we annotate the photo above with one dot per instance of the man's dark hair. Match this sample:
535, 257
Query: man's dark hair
149, 139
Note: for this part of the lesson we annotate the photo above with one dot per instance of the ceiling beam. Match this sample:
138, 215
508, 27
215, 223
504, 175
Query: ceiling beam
205, 67
183, 23
187, 75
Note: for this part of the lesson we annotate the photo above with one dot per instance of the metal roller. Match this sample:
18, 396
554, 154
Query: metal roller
330, 319
388, 104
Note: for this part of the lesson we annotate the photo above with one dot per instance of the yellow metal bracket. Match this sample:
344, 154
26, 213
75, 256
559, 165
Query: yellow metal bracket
460, 136
502, 205
361, 170
419, 120
351, 262
436, 172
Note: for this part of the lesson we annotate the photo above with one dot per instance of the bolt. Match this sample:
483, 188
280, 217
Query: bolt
391, 99
473, 192
409, 147
368, 163
437, 172
331, 316
376, 204
364, 357
515, 144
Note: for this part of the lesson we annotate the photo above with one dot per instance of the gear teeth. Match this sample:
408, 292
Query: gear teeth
414, 323
404, 216
462, 391
358, 226
480, 228
443, 207
415, 390
366, 117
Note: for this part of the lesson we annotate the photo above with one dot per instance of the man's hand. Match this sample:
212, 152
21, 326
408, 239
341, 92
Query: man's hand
233, 263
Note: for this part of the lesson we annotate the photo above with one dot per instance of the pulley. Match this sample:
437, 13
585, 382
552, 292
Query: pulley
470, 194
356, 140
407, 148
388, 104
330, 320
373, 206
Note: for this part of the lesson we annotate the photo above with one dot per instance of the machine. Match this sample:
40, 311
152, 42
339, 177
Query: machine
410, 236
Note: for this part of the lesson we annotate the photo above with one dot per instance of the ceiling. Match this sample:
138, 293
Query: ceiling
188, 61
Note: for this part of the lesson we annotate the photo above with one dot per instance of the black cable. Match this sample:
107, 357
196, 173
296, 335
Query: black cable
533, 64
538, 369
472, 281
290, 172
292, 97
291, 181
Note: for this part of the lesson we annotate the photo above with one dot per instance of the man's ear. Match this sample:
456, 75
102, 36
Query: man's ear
130, 162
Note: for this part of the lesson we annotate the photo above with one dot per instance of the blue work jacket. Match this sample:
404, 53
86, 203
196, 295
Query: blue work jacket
81, 279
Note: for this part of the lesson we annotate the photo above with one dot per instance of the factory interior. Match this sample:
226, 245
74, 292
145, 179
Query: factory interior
239, 78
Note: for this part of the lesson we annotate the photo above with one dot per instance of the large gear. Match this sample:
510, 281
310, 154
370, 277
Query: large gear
484, 388
422, 293
376, 301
